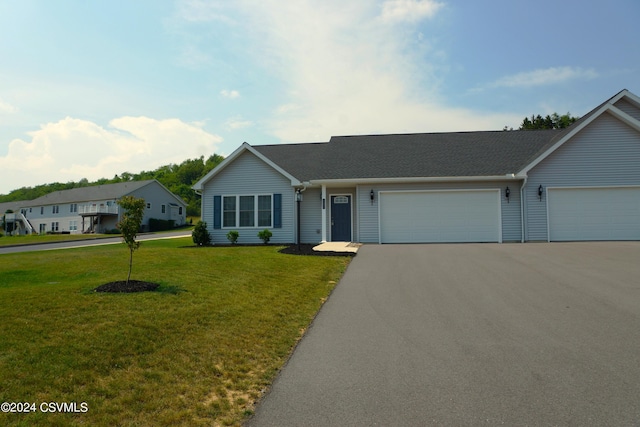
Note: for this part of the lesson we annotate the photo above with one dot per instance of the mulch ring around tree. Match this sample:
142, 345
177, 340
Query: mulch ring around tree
123, 286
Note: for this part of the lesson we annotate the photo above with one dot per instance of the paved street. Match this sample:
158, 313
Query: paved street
89, 242
471, 334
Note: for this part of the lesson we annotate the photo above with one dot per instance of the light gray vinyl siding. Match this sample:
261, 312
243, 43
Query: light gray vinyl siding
249, 175
605, 153
311, 216
510, 210
157, 195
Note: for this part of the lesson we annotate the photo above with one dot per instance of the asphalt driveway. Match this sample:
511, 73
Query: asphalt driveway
471, 334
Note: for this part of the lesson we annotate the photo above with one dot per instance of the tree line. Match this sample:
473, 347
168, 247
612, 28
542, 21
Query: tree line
177, 178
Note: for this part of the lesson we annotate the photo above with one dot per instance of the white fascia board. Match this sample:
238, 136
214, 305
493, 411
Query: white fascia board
624, 117
564, 139
607, 108
182, 202
405, 180
229, 159
294, 181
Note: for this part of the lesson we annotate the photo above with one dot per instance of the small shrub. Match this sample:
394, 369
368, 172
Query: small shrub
265, 235
233, 236
200, 234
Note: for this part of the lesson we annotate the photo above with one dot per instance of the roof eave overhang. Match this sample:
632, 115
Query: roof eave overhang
409, 180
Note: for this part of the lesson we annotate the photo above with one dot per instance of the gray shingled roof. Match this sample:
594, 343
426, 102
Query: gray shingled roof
492, 153
86, 194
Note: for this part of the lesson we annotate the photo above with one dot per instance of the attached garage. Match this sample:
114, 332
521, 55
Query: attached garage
440, 216
594, 213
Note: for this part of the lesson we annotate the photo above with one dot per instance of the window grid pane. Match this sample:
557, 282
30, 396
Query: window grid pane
247, 211
229, 211
264, 211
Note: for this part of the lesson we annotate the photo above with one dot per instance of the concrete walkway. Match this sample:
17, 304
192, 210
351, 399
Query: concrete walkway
337, 247
468, 335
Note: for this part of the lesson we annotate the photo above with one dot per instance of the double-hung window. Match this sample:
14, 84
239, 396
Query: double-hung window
247, 211
264, 211
229, 211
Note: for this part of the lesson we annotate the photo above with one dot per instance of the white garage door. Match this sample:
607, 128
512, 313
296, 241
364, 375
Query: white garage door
594, 213
440, 216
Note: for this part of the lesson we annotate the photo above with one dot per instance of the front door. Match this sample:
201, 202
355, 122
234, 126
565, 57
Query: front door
341, 218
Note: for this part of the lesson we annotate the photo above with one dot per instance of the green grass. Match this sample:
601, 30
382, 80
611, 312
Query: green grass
197, 352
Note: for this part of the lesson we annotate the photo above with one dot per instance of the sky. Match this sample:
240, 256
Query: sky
91, 89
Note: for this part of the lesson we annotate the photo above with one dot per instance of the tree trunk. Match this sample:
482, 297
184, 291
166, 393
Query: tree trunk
130, 265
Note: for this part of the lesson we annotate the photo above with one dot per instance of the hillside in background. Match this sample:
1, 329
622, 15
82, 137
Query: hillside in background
177, 178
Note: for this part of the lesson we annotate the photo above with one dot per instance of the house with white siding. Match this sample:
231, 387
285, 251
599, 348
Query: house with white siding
93, 209
578, 183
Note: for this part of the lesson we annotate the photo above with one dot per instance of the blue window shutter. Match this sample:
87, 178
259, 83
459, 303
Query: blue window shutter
277, 211
217, 212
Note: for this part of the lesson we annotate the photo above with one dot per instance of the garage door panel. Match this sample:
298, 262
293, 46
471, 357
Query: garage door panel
440, 216
594, 213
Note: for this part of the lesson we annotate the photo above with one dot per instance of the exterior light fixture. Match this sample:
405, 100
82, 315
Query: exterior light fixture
507, 193
372, 196
540, 192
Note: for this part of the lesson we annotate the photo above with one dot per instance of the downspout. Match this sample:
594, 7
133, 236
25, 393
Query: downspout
522, 215
299, 192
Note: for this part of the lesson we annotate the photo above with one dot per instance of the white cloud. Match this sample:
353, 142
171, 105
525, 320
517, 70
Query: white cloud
230, 94
409, 10
201, 11
236, 123
71, 149
5, 107
344, 71
545, 77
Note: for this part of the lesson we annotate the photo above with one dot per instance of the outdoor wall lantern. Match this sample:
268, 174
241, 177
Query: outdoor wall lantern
507, 193
540, 192
298, 196
372, 196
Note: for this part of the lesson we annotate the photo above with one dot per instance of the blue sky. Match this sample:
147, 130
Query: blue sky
93, 89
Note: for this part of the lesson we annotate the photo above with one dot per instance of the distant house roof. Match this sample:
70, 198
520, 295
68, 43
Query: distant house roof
470, 154
10, 206
85, 194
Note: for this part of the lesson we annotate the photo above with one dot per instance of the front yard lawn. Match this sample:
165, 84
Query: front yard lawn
197, 351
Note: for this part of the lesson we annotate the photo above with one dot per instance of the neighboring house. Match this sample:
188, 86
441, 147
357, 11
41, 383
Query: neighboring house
94, 209
579, 183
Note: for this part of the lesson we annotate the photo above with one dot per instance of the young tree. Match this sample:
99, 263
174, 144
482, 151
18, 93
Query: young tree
130, 223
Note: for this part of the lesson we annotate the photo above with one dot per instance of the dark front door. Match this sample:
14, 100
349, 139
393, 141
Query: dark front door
341, 218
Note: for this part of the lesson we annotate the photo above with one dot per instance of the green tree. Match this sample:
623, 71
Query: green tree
553, 121
129, 224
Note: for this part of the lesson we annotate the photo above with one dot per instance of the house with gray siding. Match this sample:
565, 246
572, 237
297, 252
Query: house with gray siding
578, 183
93, 209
